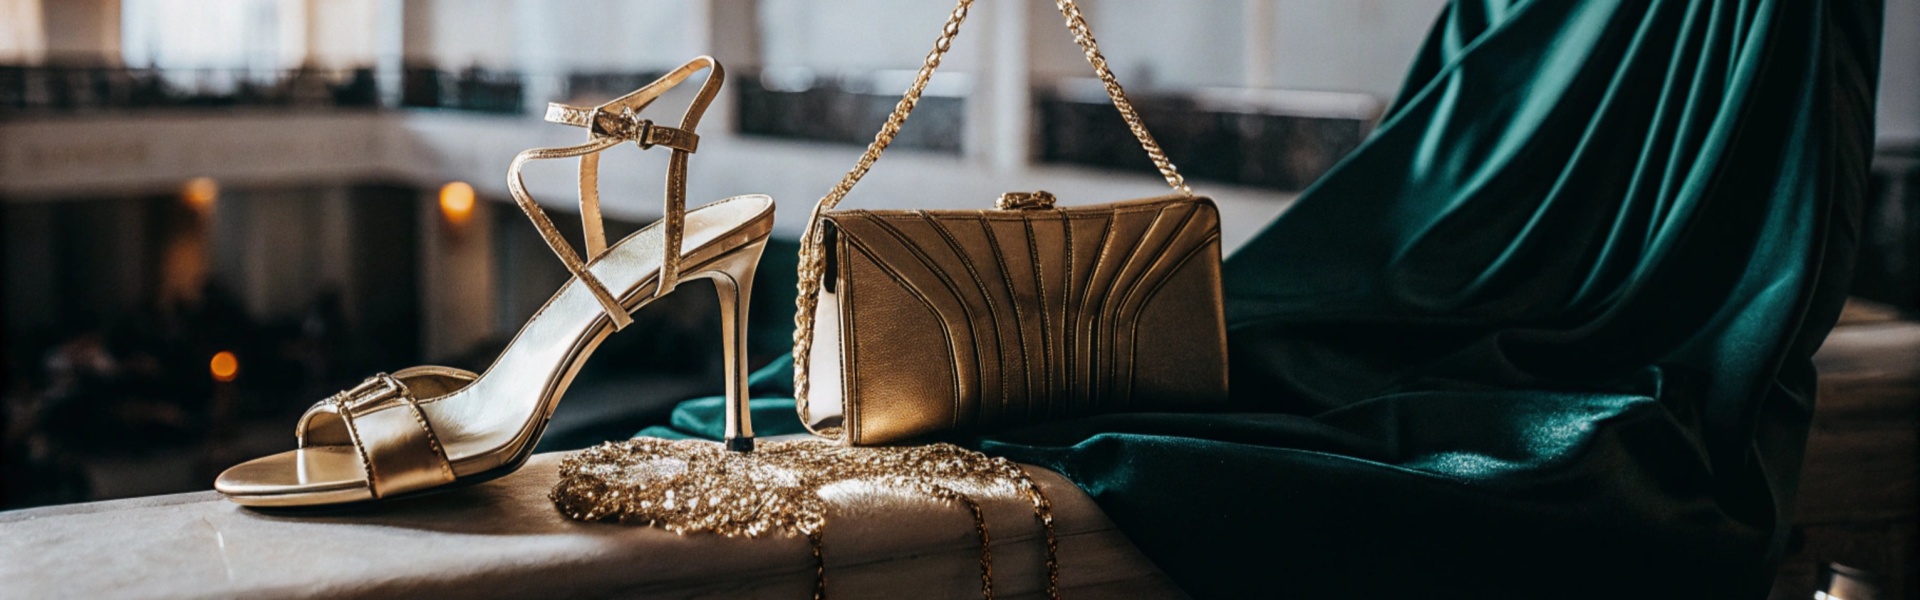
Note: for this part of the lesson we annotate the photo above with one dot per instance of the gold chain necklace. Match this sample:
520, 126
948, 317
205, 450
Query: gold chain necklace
687, 486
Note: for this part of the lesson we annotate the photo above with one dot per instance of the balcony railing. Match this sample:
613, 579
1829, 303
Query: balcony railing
473, 89
798, 104
1272, 139
1275, 139
67, 89
36, 89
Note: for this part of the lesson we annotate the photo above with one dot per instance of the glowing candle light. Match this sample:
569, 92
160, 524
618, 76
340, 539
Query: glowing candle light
200, 193
456, 202
224, 366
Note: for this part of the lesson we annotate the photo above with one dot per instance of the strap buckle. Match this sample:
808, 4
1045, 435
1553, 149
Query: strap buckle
625, 125
374, 390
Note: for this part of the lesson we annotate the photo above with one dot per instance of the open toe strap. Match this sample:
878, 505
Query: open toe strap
382, 420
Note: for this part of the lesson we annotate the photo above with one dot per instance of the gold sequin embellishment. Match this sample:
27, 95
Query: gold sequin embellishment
687, 486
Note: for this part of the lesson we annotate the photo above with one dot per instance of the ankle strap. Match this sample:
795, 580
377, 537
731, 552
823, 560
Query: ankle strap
625, 125
609, 125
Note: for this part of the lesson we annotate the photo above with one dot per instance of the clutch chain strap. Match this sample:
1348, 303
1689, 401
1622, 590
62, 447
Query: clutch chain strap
813, 256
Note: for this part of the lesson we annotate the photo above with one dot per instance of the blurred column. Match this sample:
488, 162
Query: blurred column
398, 27
28, 298
293, 20
733, 30
543, 71
268, 248
1258, 29
186, 247
82, 31
1000, 105
23, 32
1899, 106
336, 236
341, 34
701, 22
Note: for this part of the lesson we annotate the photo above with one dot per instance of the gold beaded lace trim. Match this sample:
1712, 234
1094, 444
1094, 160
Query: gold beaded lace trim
695, 486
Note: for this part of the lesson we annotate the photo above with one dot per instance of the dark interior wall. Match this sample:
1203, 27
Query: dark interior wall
1889, 261
75, 263
73, 266
383, 241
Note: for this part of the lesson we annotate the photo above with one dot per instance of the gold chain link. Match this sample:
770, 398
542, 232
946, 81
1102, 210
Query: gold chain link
813, 257
685, 486
1084, 37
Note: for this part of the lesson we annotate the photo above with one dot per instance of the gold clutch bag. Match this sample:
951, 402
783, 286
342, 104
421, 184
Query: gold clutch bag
913, 322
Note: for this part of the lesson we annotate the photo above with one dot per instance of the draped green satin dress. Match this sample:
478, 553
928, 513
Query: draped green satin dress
1546, 335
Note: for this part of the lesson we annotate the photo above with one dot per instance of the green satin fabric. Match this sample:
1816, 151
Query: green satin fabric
1547, 334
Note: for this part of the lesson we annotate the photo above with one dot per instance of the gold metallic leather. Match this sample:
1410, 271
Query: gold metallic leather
322, 424
382, 421
428, 427
610, 124
968, 319
913, 322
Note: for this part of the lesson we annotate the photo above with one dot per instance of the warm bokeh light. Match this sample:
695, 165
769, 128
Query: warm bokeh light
456, 202
224, 366
200, 193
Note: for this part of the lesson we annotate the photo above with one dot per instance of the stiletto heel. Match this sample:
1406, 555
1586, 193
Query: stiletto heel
733, 280
426, 429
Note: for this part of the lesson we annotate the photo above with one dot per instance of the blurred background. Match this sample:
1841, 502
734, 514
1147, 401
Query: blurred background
217, 212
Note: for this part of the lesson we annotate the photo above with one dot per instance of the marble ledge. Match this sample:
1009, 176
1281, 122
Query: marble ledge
504, 539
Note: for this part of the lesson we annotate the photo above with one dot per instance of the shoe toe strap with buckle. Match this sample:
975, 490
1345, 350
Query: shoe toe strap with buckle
384, 423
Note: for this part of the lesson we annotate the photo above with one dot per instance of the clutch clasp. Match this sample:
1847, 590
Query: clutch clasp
1037, 200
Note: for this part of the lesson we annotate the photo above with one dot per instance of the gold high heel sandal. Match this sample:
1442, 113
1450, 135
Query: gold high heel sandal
431, 428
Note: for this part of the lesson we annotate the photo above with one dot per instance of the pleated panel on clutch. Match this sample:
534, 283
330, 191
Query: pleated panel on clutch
977, 319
